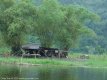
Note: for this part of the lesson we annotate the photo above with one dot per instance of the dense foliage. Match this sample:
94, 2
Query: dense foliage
51, 22
94, 44
15, 22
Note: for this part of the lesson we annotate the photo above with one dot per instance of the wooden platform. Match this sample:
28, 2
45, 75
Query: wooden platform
29, 55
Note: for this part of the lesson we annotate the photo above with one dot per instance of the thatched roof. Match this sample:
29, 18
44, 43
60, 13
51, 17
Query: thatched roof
48, 48
36, 46
31, 46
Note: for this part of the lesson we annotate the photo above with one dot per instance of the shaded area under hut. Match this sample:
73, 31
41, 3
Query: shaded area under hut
34, 50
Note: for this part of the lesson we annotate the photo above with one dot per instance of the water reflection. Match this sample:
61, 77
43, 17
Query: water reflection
52, 73
7, 71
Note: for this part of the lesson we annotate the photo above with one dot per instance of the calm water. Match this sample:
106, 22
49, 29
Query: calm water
14, 72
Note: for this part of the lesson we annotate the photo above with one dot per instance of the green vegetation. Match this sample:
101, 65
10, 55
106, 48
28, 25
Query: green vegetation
14, 60
93, 61
99, 7
73, 60
53, 23
4, 50
15, 21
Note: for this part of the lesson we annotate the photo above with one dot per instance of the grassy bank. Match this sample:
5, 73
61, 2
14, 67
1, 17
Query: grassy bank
93, 61
35, 61
73, 60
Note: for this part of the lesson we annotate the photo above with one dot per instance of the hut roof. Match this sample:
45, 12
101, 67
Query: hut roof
31, 46
48, 48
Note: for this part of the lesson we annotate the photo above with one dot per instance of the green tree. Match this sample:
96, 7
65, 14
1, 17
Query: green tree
61, 25
15, 22
49, 17
74, 25
99, 7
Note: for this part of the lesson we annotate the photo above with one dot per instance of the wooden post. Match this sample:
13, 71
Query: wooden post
60, 54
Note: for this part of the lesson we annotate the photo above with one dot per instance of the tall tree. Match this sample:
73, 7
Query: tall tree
15, 22
61, 24
49, 17
74, 25
4, 4
99, 7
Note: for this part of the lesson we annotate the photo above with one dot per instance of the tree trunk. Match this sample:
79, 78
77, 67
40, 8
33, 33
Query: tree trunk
65, 53
16, 50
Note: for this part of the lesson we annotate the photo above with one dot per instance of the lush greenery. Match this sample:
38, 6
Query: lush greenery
98, 44
15, 20
52, 23
74, 60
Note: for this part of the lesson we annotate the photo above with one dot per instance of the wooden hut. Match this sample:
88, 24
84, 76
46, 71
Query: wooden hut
49, 52
31, 50
37, 51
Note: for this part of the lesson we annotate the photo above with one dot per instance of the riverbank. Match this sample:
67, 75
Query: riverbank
72, 60
34, 61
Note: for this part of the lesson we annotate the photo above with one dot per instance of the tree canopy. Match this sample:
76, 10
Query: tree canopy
15, 22
62, 25
53, 23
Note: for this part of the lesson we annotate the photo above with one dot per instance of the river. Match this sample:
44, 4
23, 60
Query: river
24, 72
